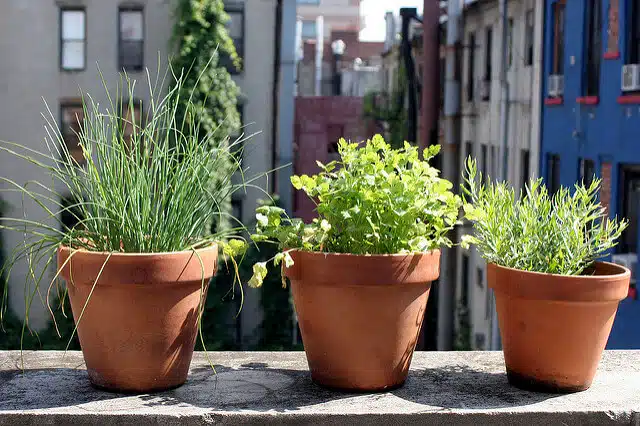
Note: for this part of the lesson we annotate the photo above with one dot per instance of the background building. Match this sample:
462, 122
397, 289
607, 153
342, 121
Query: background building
50, 49
338, 15
591, 119
483, 88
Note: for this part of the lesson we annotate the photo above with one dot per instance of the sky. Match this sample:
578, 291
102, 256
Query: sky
373, 12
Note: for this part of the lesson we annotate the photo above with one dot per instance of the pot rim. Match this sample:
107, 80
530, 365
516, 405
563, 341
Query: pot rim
624, 271
84, 251
388, 255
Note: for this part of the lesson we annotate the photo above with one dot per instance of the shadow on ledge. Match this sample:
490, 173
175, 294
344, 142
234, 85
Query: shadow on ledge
257, 387
461, 387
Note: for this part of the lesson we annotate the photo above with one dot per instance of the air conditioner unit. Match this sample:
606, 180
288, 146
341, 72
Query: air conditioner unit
630, 77
484, 90
556, 85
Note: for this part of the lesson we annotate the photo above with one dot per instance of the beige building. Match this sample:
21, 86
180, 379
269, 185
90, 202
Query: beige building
49, 49
338, 15
481, 137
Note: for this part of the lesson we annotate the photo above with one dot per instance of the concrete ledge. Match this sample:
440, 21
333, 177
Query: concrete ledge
275, 388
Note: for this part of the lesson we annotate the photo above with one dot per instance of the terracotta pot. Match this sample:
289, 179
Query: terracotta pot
360, 316
140, 324
555, 327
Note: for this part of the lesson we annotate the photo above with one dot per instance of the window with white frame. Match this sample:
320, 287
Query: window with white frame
131, 38
528, 39
73, 40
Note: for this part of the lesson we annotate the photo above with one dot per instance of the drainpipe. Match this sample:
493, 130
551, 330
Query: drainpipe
430, 70
504, 135
450, 170
407, 15
286, 88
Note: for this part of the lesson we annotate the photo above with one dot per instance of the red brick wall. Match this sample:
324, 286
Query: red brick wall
319, 123
605, 189
613, 27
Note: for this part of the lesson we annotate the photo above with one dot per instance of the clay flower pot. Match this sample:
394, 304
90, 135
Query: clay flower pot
140, 324
360, 315
555, 327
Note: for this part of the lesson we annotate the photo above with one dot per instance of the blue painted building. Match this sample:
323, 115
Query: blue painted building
591, 117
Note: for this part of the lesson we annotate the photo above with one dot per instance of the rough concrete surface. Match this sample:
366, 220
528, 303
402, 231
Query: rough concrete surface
275, 388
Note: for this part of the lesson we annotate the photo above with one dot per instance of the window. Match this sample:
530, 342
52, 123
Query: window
468, 150
553, 173
73, 39
557, 66
524, 168
633, 38
484, 166
235, 26
510, 43
471, 65
72, 116
528, 38
593, 47
487, 53
586, 171
464, 295
131, 39
309, 29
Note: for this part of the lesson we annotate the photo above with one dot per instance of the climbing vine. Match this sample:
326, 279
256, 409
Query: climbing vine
388, 109
202, 47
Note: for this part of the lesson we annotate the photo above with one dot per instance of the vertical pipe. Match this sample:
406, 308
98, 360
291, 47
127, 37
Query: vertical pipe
409, 68
430, 69
319, 54
450, 170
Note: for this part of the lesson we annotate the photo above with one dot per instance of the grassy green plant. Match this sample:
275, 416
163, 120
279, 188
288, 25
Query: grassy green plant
560, 234
374, 200
144, 187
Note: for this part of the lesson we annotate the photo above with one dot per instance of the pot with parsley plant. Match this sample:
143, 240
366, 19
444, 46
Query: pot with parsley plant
361, 272
555, 301
137, 263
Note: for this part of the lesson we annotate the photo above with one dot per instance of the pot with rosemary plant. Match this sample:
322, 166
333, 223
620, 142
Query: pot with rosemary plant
361, 272
138, 262
556, 303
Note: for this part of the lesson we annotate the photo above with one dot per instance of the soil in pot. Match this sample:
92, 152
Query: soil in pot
140, 324
554, 328
360, 316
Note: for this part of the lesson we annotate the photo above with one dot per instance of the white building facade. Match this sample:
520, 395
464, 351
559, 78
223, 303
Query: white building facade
480, 132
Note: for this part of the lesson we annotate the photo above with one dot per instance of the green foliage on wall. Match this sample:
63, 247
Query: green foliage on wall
201, 44
389, 109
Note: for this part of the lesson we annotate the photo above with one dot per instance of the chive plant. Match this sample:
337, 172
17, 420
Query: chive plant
563, 233
145, 185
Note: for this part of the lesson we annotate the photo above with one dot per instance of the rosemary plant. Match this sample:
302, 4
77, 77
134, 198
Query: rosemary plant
560, 234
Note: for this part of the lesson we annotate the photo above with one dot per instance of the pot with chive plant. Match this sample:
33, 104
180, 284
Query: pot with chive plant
361, 272
138, 263
555, 301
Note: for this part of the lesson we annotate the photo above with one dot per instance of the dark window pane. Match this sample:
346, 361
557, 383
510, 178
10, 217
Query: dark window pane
131, 55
